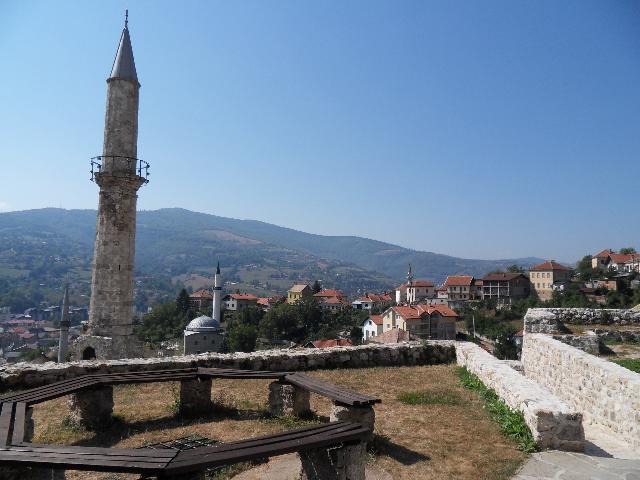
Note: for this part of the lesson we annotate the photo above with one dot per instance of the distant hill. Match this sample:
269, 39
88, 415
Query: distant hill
43, 245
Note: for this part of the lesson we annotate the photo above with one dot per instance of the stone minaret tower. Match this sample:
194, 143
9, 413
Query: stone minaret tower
119, 175
217, 294
64, 327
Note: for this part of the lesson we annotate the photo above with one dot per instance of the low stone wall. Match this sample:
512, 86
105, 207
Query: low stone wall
587, 343
617, 335
27, 375
607, 394
551, 320
552, 422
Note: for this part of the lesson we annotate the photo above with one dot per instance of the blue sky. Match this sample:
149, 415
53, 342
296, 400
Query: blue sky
479, 129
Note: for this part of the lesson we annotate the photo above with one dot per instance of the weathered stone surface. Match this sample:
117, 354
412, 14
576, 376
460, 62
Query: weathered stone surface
344, 463
195, 396
553, 423
617, 335
27, 375
607, 394
551, 320
347, 413
92, 408
587, 343
288, 400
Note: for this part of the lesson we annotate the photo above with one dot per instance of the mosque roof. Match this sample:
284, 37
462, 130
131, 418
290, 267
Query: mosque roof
124, 66
203, 323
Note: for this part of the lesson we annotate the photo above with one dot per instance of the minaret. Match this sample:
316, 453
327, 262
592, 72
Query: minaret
410, 292
119, 175
64, 327
217, 294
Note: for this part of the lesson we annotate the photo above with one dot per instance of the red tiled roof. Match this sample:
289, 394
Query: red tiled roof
375, 297
242, 296
604, 253
395, 335
327, 292
377, 319
414, 313
502, 277
201, 294
549, 265
402, 287
422, 283
340, 342
459, 280
335, 301
624, 257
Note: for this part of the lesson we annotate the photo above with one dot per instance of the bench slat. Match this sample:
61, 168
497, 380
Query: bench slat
326, 389
19, 419
163, 453
232, 454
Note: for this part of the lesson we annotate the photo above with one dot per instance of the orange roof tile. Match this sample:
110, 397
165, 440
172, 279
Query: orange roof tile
458, 281
377, 319
549, 265
340, 342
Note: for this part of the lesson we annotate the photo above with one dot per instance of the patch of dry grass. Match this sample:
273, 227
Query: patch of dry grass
412, 441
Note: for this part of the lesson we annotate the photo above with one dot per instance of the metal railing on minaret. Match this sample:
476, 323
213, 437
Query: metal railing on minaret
119, 166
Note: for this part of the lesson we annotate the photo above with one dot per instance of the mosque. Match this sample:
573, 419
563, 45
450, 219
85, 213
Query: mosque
204, 334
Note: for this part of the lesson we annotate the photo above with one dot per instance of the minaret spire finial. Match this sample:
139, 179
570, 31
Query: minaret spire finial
126, 18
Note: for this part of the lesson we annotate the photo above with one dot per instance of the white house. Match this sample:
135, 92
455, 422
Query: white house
372, 327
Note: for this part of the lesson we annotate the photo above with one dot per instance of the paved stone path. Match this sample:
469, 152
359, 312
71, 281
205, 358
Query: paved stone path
605, 458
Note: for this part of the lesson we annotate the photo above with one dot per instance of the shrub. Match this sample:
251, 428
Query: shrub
430, 397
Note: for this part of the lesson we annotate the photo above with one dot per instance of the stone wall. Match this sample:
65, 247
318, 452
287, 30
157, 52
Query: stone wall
551, 320
552, 422
28, 375
589, 343
606, 393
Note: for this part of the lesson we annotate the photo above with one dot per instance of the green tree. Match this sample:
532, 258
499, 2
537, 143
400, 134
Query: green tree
316, 287
515, 269
627, 250
242, 337
183, 304
584, 268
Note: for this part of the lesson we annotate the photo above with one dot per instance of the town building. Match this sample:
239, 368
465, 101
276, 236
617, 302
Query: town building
620, 262
238, 301
461, 289
420, 289
600, 261
267, 303
203, 334
547, 277
299, 291
371, 301
504, 288
328, 293
437, 322
371, 327
334, 304
200, 300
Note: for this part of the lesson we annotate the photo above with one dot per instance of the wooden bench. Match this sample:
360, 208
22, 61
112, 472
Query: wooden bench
311, 442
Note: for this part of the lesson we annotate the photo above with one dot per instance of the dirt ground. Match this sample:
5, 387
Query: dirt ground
419, 442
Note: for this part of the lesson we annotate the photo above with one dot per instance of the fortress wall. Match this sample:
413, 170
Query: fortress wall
606, 393
27, 375
551, 320
553, 423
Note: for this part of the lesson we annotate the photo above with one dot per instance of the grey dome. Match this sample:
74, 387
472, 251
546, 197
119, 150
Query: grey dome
203, 324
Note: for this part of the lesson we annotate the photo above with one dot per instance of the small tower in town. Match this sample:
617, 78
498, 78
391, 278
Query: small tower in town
119, 174
65, 323
217, 295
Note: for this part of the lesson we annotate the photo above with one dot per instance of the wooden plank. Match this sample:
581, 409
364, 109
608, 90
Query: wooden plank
330, 390
53, 390
165, 453
19, 420
346, 433
5, 422
299, 433
81, 462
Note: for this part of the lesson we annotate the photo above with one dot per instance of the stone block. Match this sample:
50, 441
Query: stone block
348, 413
93, 407
343, 463
288, 400
195, 396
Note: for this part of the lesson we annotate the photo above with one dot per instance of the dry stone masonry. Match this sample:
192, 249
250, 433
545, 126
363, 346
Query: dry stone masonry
552, 320
606, 393
27, 375
553, 423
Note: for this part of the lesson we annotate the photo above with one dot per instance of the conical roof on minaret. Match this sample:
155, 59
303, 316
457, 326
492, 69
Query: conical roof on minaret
124, 66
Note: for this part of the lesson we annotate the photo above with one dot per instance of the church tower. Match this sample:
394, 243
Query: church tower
119, 174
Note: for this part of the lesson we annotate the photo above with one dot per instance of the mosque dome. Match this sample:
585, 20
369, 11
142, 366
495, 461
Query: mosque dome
203, 324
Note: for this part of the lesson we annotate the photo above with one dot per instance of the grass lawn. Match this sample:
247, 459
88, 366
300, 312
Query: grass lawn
427, 427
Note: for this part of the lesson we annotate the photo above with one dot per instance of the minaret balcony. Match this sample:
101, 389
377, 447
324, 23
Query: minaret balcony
119, 167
